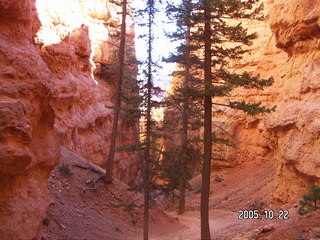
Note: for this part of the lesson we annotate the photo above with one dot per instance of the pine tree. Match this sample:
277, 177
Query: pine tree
311, 201
148, 90
121, 55
217, 34
181, 100
217, 37
207, 137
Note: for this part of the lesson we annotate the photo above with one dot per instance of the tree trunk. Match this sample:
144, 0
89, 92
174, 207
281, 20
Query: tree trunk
147, 171
185, 109
147, 163
109, 168
136, 138
148, 128
206, 169
182, 187
182, 197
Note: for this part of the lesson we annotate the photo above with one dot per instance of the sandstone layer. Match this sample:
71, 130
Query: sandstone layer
54, 92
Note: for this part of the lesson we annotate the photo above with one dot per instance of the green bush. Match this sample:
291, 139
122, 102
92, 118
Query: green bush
258, 206
65, 170
310, 201
46, 222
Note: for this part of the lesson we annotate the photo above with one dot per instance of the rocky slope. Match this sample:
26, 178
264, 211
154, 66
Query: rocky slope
288, 50
54, 92
108, 212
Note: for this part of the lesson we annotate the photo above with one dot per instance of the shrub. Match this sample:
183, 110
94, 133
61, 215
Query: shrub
258, 205
64, 169
46, 222
310, 201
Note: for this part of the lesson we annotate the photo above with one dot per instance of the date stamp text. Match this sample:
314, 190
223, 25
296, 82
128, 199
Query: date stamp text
266, 214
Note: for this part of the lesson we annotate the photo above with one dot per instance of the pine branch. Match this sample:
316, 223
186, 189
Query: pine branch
251, 109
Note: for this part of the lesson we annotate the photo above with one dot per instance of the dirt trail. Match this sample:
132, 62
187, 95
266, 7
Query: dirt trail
244, 187
240, 188
105, 213
191, 219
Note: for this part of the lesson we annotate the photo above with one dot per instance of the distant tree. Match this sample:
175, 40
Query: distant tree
121, 56
181, 100
310, 201
148, 91
147, 160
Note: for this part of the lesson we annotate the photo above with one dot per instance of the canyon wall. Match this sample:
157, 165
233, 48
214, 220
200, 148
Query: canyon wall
57, 80
287, 48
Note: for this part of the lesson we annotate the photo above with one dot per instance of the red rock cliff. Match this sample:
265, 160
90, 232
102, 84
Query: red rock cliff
49, 97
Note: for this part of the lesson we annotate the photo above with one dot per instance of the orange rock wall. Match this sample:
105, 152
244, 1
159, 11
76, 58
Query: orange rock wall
288, 48
49, 97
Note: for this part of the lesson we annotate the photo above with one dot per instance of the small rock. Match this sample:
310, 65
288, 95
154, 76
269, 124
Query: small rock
134, 220
316, 232
265, 229
268, 228
78, 212
219, 177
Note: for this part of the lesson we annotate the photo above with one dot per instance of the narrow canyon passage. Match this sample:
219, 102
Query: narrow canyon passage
59, 81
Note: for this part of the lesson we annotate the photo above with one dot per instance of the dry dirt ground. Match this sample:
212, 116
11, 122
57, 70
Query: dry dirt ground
107, 212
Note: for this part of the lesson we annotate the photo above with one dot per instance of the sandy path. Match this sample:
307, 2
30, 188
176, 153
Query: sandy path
219, 220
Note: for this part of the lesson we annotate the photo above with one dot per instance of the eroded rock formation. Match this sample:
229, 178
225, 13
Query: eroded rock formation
49, 97
288, 50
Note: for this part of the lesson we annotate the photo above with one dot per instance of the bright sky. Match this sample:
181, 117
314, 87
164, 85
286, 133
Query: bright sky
162, 45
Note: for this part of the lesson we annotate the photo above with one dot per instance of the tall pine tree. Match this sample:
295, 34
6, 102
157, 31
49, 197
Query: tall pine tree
121, 57
217, 37
182, 100
147, 160
207, 137
223, 40
148, 90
